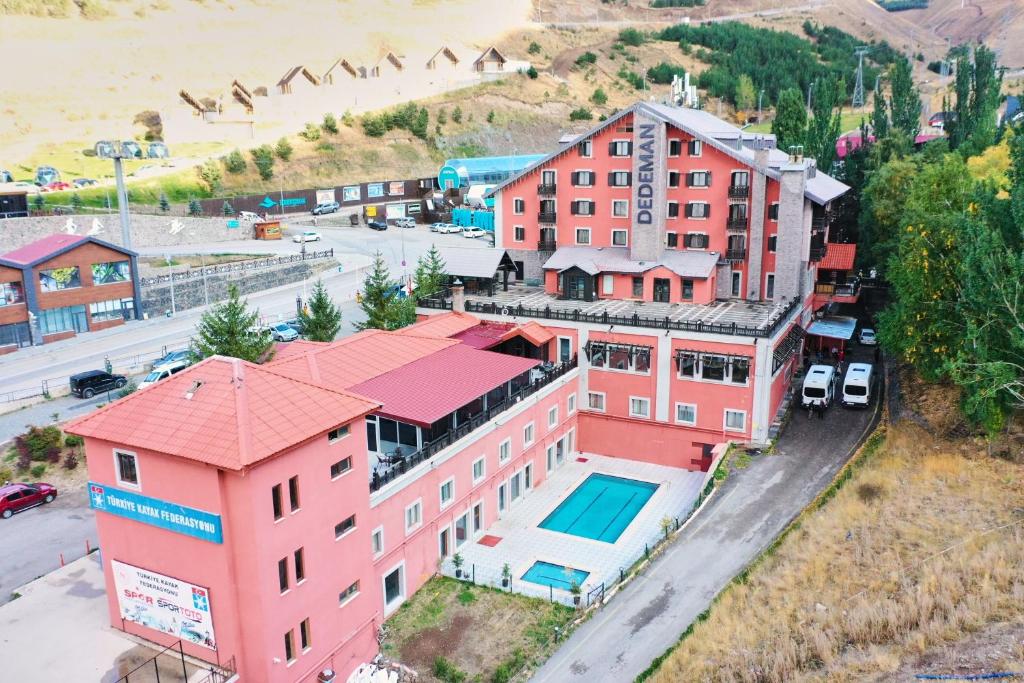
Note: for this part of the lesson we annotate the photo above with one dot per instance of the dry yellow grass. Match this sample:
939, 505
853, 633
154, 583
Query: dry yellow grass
922, 546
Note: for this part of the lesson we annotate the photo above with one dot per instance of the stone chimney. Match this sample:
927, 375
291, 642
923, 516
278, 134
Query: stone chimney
762, 148
793, 229
458, 297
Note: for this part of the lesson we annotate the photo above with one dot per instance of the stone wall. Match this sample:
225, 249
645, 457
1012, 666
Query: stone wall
147, 230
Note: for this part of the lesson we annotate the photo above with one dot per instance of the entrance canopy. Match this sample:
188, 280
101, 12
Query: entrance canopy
834, 327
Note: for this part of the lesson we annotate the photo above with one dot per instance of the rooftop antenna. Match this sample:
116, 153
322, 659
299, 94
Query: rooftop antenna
858, 88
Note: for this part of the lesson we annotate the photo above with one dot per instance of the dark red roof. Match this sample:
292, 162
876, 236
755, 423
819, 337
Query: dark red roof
485, 335
426, 390
40, 249
839, 257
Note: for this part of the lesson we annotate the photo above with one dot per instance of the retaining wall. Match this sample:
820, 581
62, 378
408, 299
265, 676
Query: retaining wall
147, 230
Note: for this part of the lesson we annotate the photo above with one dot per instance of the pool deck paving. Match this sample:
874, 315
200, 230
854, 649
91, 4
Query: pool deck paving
523, 542
753, 506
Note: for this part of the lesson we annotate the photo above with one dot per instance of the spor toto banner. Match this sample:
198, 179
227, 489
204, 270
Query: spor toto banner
164, 604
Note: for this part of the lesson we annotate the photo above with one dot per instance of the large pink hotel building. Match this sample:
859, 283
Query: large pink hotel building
271, 517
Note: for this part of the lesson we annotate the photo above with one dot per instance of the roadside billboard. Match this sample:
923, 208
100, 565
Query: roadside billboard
164, 604
325, 196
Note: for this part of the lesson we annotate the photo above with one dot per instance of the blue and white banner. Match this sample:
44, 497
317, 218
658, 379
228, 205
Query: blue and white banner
159, 513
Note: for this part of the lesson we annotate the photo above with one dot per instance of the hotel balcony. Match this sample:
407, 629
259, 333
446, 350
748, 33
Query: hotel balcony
546, 217
845, 293
546, 190
547, 245
737, 223
818, 251
736, 254
739, 191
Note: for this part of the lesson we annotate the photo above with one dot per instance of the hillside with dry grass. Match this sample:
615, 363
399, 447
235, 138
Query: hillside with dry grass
915, 566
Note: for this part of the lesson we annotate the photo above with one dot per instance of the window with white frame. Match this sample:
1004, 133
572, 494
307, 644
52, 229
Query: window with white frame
505, 451
344, 526
528, 435
582, 207
582, 178
769, 286
582, 235
619, 357
479, 469
673, 210
595, 401
619, 178
552, 416
712, 367
338, 434
698, 179
673, 179
346, 596
698, 209
686, 413
619, 238
639, 406
394, 588
607, 284
570, 404
447, 490
341, 467
620, 148
127, 467
413, 516
586, 149
518, 233
773, 243
675, 147
735, 420
773, 211
695, 148
696, 240
518, 206
620, 208
377, 541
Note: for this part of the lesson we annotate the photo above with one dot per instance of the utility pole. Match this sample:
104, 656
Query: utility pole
759, 96
858, 88
122, 201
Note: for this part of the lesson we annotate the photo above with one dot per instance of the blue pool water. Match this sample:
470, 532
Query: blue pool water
547, 574
600, 508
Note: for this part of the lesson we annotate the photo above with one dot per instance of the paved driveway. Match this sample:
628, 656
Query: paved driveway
749, 511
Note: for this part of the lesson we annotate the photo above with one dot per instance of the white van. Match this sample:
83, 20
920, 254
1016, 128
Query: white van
858, 384
819, 386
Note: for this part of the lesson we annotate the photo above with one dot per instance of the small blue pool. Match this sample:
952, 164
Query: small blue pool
600, 508
547, 574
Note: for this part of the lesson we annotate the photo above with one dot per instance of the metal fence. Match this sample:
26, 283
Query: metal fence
236, 267
166, 666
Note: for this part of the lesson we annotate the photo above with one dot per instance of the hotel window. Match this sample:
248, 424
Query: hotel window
344, 526
620, 208
56, 279
53, 320
675, 147
505, 451
737, 280
735, 420
773, 211
586, 148
638, 287
673, 209
695, 148
478, 517
289, 647
13, 293
698, 179
607, 284
583, 178
337, 434
619, 238
114, 309
687, 290
686, 413
619, 178
110, 272
673, 178
341, 467
552, 416
621, 357
698, 210
739, 370
639, 407
293, 493
582, 235
528, 435
570, 404
773, 243
377, 541
479, 470
394, 587
671, 240
582, 207
620, 148
127, 469
713, 368
447, 492
595, 401
518, 206
305, 637
282, 574
696, 240
413, 516
547, 177
769, 286
688, 365
348, 594
519, 233
275, 494
300, 566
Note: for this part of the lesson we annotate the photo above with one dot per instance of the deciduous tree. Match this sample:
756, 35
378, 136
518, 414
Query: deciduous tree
790, 119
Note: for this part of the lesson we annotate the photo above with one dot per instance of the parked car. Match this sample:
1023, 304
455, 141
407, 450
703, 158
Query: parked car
819, 386
158, 374
157, 150
250, 217
377, 225
5, 176
18, 497
867, 337
474, 232
58, 186
406, 222
283, 332
296, 324
79, 183
88, 384
306, 236
46, 175
325, 207
449, 228
174, 361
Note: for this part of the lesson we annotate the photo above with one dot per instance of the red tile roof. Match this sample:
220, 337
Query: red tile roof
299, 347
441, 325
533, 332
40, 249
426, 390
838, 257
238, 414
485, 335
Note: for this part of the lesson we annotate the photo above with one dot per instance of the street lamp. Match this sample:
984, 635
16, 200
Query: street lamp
759, 96
810, 89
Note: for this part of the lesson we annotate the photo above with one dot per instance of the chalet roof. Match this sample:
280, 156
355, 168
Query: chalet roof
489, 52
345, 65
594, 260
295, 71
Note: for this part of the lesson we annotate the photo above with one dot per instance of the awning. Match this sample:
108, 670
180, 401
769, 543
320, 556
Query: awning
835, 327
533, 332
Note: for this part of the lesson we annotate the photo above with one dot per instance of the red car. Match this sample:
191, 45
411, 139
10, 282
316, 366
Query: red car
58, 186
18, 497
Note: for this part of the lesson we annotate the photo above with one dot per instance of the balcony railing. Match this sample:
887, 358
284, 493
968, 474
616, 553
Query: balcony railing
735, 254
546, 190
547, 217
547, 245
737, 223
432, 448
818, 252
739, 191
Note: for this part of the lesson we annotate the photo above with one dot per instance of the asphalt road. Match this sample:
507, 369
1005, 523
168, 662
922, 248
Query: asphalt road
750, 510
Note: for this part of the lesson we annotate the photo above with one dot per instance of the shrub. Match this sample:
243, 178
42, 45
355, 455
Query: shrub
663, 73
311, 132
6, 474
580, 114
447, 671
39, 470
457, 114
53, 454
532, 72
210, 174
348, 119
227, 209
235, 162
23, 463
490, 116
128, 389
73, 441
70, 461
586, 59
37, 441
374, 126
442, 116
165, 203
325, 147
632, 37
534, 48
283, 149
263, 157
194, 207
330, 124
600, 98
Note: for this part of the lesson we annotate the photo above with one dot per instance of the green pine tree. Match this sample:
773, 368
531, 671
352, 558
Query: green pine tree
229, 328
383, 307
38, 202
194, 207
227, 209
880, 117
323, 320
76, 203
790, 119
165, 204
430, 276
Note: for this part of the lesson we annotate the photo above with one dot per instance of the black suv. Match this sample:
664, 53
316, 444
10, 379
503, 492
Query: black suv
88, 384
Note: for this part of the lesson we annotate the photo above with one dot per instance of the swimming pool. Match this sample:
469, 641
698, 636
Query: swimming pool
547, 574
600, 508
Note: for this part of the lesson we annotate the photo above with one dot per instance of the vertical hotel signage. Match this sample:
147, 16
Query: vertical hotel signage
649, 180
159, 513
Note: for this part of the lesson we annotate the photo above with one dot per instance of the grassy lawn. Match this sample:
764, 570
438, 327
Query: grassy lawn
199, 260
481, 633
919, 550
